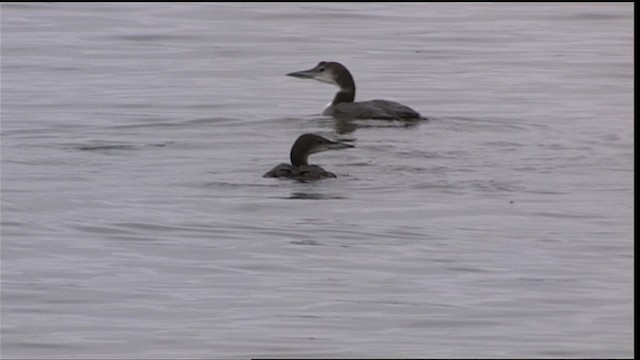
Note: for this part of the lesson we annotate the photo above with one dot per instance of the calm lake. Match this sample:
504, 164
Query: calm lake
135, 221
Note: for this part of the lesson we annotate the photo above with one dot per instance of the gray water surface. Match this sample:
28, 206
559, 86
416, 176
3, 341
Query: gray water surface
136, 222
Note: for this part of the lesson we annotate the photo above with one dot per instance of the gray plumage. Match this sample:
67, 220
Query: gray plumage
299, 168
343, 105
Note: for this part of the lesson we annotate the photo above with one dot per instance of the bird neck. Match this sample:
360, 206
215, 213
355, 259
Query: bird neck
347, 85
344, 95
298, 156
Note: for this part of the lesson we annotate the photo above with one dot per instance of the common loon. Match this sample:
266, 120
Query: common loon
300, 169
343, 106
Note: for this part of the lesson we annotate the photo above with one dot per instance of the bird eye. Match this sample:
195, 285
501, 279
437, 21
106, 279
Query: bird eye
321, 69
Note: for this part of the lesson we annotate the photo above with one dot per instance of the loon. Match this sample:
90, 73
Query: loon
343, 106
300, 169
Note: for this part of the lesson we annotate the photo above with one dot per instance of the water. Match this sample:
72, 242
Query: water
136, 223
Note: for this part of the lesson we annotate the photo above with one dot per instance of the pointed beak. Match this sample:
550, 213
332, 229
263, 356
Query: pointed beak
338, 145
305, 74
331, 145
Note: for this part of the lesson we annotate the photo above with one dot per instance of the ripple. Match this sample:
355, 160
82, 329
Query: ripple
108, 146
314, 196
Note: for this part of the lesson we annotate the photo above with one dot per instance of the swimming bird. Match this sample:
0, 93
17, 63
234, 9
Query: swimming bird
300, 169
343, 105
